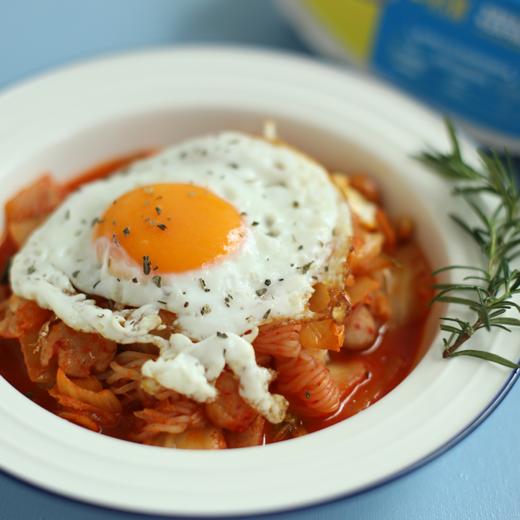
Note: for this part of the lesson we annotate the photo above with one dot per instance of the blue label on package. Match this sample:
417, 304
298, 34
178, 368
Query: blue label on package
463, 56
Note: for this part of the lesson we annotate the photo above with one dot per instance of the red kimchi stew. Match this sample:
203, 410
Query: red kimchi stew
365, 338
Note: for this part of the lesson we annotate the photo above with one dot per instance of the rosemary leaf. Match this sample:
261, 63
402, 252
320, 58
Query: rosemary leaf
488, 291
514, 322
450, 267
488, 356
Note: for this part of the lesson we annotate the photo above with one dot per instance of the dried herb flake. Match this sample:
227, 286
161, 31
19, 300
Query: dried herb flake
147, 265
203, 285
306, 267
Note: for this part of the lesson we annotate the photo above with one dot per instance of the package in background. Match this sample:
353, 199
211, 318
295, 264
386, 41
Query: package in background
461, 56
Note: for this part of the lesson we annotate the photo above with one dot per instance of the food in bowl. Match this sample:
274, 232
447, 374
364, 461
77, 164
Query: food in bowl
226, 292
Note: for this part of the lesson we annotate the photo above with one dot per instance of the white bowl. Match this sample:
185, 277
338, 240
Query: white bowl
76, 117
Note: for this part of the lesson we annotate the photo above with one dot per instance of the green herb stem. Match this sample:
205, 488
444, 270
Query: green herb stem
488, 292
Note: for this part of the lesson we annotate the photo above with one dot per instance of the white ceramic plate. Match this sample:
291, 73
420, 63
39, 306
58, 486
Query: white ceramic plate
71, 119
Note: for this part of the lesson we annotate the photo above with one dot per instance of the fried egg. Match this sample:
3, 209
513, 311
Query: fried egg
225, 231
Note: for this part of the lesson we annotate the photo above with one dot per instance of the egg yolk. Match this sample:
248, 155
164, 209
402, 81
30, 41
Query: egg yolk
170, 228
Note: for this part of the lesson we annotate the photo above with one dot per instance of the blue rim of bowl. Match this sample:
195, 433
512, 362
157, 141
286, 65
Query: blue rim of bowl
473, 425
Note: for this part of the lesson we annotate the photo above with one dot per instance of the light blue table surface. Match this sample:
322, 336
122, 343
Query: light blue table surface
477, 479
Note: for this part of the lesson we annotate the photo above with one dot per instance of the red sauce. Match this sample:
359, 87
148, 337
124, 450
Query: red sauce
7, 250
12, 369
388, 364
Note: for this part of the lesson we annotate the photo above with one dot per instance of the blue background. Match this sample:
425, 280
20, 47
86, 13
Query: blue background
477, 479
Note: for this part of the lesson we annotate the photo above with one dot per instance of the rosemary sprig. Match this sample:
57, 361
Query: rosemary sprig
487, 291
